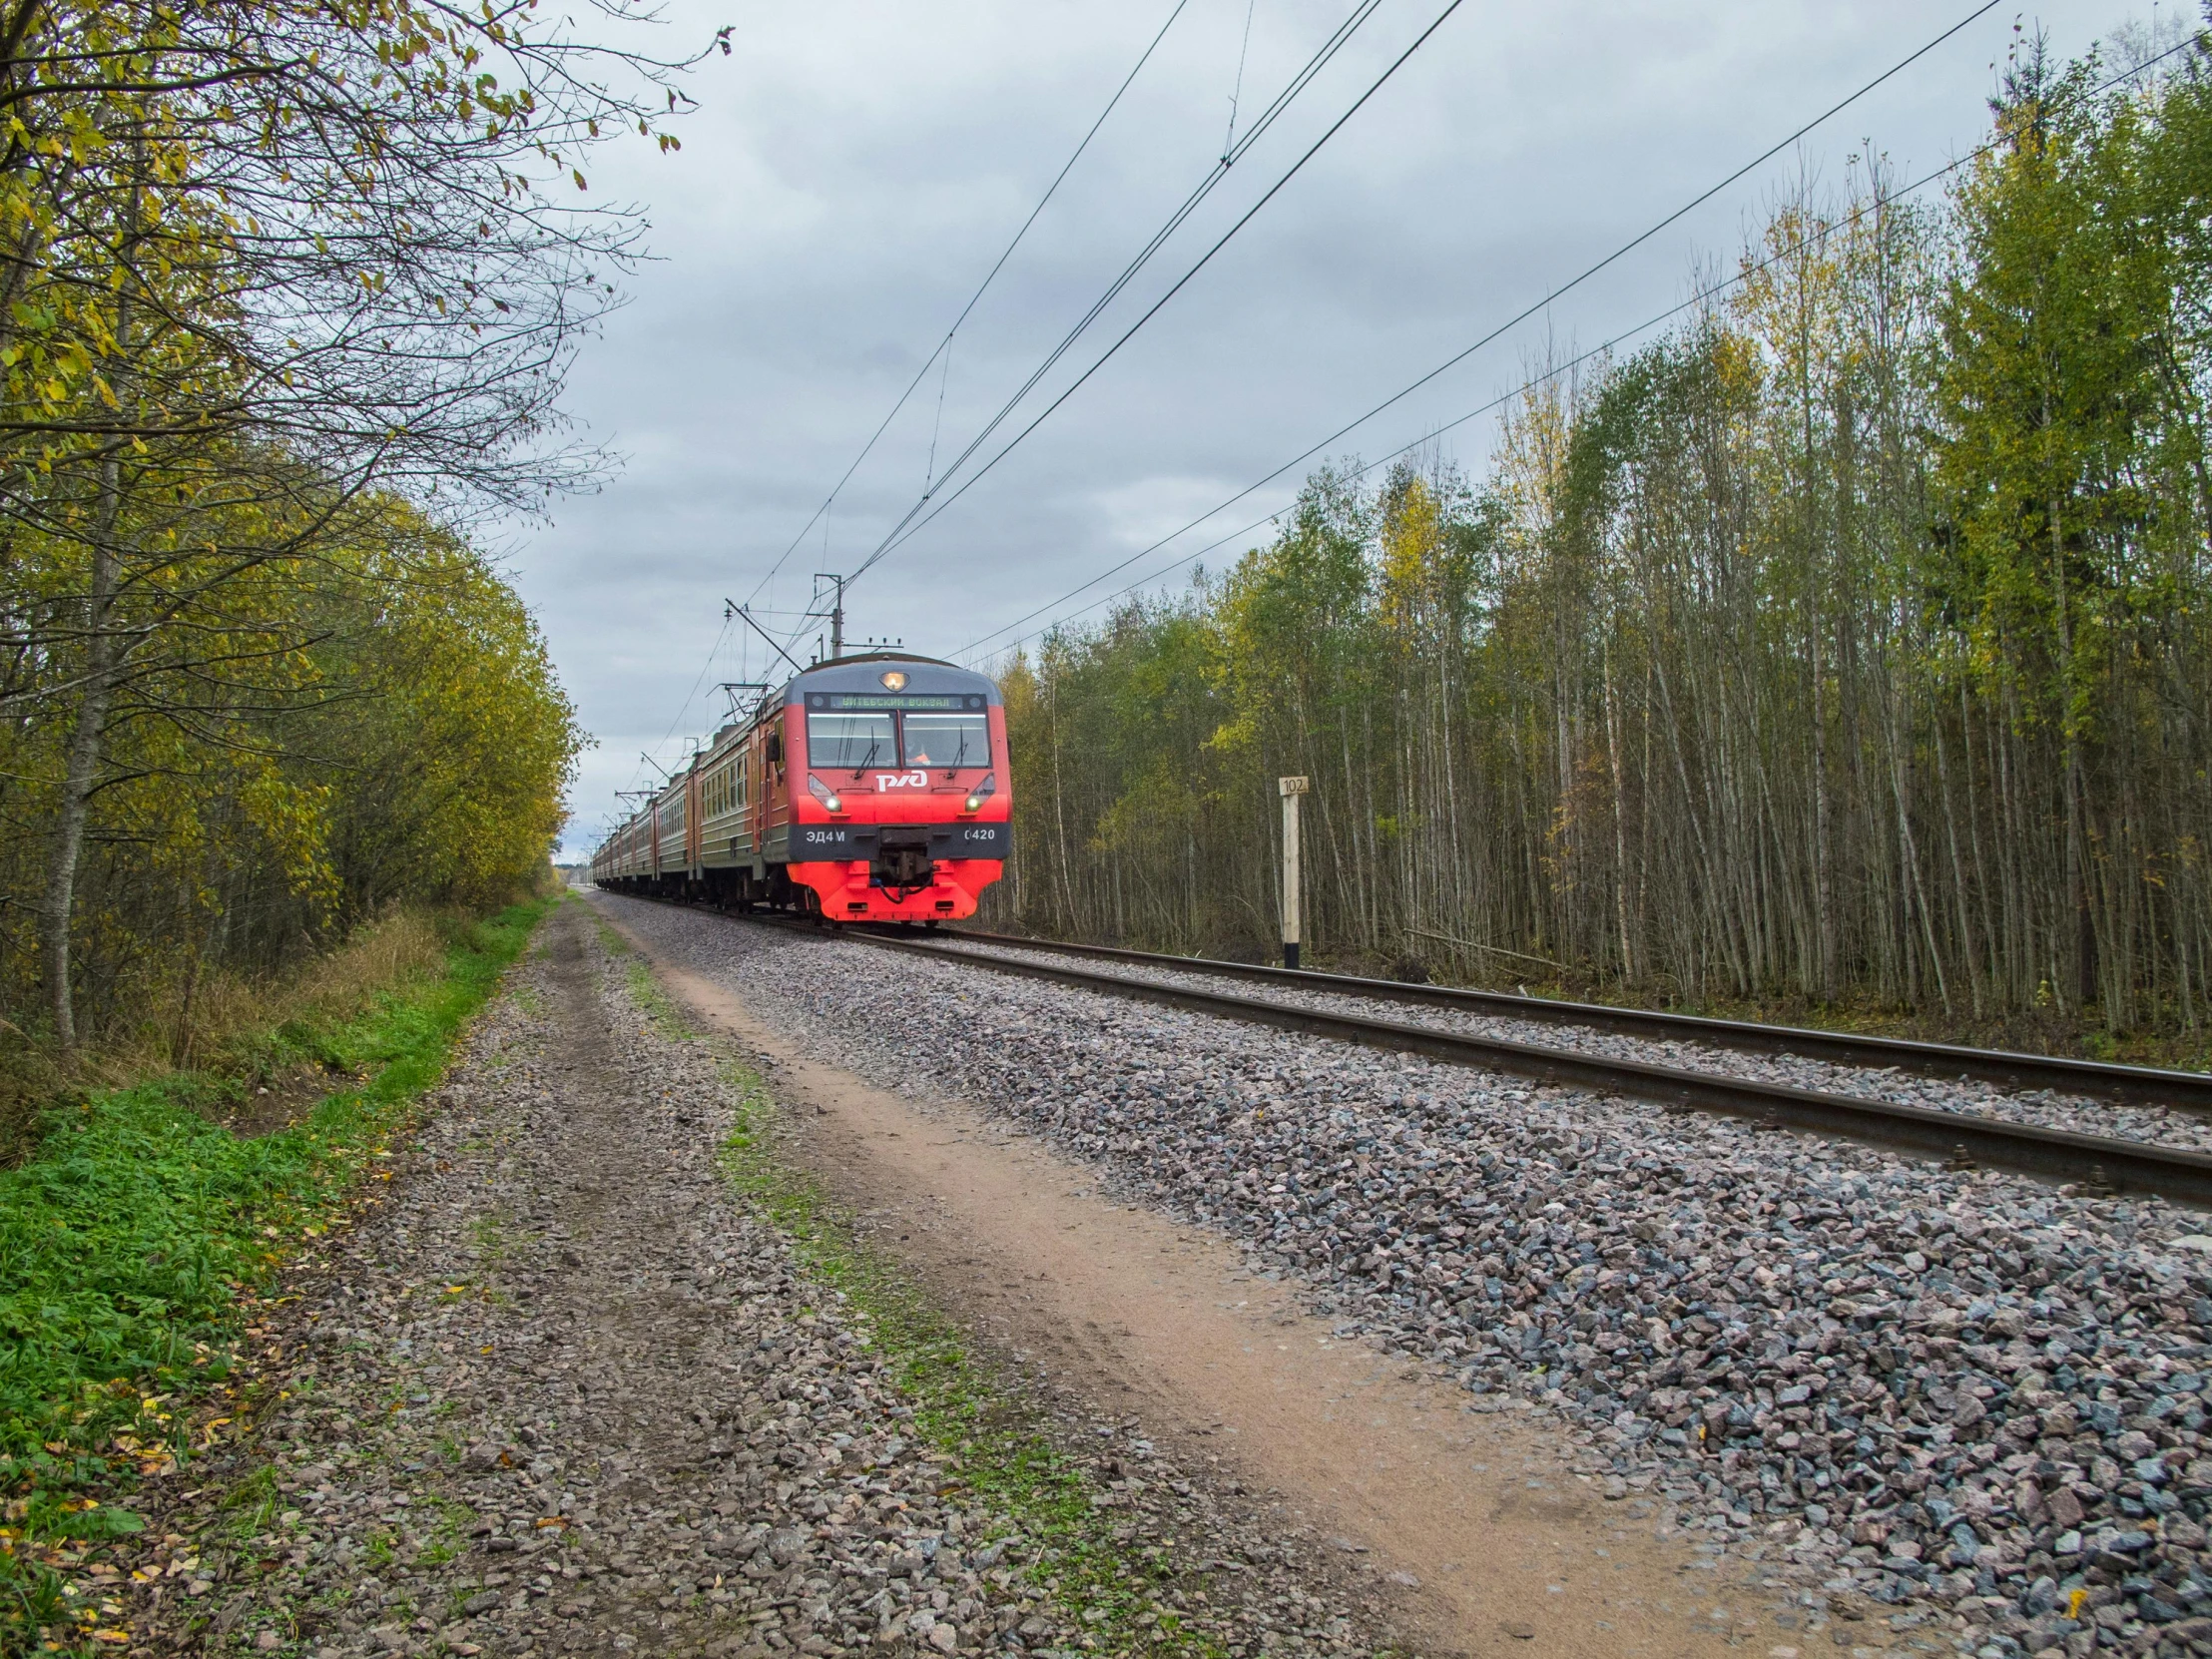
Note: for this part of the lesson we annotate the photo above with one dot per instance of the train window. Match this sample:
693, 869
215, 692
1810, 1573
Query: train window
947, 740
853, 742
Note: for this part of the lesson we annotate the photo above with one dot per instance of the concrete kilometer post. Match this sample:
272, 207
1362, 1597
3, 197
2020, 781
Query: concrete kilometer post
1292, 789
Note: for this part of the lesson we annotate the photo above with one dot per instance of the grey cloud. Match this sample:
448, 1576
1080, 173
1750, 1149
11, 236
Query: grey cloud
853, 170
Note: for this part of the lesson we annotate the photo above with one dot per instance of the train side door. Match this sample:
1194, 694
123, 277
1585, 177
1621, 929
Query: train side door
780, 763
741, 778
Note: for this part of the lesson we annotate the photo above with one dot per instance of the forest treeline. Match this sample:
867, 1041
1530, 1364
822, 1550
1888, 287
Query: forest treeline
1849, 646
288, 290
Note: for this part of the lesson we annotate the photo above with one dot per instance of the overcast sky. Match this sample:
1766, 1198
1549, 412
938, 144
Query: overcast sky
854, 168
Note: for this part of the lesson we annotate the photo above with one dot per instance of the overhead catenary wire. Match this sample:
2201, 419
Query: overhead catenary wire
944, 345
1501, 400
943, 349
638, 773
1267, 117
900, 532
704, 668
929, 472
1698, 298
1503, 328
1495, 403
1236, 92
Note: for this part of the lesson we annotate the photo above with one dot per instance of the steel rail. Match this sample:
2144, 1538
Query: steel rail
2133, 1085
1965, 1139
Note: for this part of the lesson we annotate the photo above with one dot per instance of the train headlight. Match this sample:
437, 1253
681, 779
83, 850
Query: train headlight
981, 793
824, 793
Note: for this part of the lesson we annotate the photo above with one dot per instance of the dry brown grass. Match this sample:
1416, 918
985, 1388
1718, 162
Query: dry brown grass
230, 1013
220, 1023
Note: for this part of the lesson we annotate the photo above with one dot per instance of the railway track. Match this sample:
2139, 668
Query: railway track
2131, 1085
1664, 1282
2099, 1161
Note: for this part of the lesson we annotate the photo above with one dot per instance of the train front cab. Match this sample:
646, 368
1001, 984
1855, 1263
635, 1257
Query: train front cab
900, 792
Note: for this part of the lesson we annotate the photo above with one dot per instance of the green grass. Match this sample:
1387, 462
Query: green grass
133, 1243
1103, 1585
667, 1018
645, 990
252, 1505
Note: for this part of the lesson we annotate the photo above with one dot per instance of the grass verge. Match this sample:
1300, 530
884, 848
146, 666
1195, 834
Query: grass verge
645, 990
1114, 1593
132, 1248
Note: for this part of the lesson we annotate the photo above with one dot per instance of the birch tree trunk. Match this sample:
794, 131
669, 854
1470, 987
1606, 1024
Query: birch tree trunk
104, 657
81, 770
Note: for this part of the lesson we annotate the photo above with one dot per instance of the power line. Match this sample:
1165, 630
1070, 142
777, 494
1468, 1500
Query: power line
1497, 402
704, 668
1701, 296
1335, 42
944, 345
1506, 327
899, 532
1282, 101
1229, 137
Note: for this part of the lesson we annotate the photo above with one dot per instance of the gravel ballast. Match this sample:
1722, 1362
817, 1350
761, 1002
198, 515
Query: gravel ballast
1956, 1407
2043, 1108
567, 1392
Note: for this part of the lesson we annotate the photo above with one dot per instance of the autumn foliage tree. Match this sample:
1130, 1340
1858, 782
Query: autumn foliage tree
287, 295
1844, 647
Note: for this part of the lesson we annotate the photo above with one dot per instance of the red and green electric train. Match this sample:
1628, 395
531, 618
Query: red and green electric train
870, 789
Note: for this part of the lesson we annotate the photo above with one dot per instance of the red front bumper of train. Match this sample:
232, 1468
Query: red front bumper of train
848, 895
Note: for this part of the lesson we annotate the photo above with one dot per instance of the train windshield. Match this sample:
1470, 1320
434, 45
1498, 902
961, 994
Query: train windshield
849, 742
947, 740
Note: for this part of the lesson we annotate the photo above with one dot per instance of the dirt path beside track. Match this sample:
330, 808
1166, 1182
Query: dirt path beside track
1477, 1525
565, 1392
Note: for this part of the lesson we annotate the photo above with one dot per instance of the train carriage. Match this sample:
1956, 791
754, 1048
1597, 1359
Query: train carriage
869, 789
